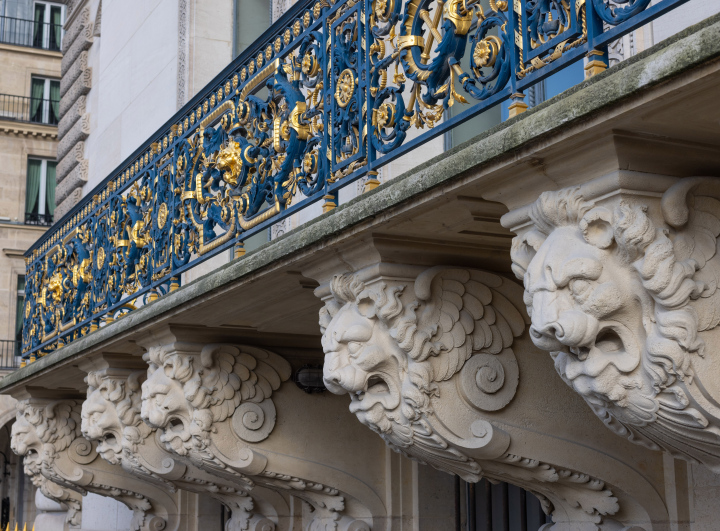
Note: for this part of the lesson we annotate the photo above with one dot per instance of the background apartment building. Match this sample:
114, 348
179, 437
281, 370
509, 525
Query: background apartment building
31, 34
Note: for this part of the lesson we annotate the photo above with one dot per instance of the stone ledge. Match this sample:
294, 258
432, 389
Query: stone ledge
698, 45
27, 129
30, 50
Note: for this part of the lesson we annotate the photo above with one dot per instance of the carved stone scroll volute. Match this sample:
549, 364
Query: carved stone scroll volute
623, 292
69, 460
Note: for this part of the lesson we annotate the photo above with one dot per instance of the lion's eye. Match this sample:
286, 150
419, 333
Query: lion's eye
354, 347
580, 288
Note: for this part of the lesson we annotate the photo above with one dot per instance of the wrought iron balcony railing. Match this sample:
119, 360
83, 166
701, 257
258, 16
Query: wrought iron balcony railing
32, 110
326, 96
9, 354
32, 218
21, 32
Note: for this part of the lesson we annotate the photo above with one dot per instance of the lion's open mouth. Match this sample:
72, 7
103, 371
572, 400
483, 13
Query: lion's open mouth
175, 425
378, 389
614, 345
376, 385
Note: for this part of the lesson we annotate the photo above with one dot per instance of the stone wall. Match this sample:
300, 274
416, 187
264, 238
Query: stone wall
75, 84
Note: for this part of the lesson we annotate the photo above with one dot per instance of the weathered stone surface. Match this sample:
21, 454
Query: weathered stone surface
71, 116
81, 44
77, 68
77, 25
69, 161
76, 134
69, 202
79, 88
623, 293
75, 179
693, 47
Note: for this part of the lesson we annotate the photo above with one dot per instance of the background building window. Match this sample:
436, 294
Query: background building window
48, 22
45, 100
40, 192
252, 18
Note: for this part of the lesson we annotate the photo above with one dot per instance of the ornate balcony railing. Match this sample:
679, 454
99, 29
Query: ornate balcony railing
326, 96
32, 110
21, 32
9, 354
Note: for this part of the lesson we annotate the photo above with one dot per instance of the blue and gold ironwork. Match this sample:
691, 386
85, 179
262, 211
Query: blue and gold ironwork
324, 97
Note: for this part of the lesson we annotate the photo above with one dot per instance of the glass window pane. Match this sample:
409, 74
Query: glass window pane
252, 18
39, 26
37, 94
33, 186
50, 189
54, 116
55, 27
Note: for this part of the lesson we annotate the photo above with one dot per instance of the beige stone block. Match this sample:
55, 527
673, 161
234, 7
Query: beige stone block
69, 202
76, 27
71, 116
82, 43
77, 133
69, 161
69, 77
75, 179
80, 87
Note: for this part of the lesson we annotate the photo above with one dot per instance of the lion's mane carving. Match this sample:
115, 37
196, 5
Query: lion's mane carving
620, 298
388, 352
185, 394
38, 434
111, 416
55, 425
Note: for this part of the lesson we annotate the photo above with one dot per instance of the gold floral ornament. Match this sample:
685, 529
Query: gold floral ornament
100, 259
310, 65
385, 116
345, 88
162, 215
486, 52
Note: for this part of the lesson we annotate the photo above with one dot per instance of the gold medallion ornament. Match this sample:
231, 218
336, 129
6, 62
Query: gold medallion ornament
162, 215
100, 260
345, 88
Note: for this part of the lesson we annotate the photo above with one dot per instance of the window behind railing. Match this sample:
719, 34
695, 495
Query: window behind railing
40, 192
9, 354
44, 30
34, 110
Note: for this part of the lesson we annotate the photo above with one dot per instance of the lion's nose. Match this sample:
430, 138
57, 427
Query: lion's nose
333, 382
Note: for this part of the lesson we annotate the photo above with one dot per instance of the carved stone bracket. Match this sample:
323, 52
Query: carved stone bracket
428, 360
47, 433
212, 405
623, 291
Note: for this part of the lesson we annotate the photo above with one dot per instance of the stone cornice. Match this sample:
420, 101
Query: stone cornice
26, 129
8, 225
30, 50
